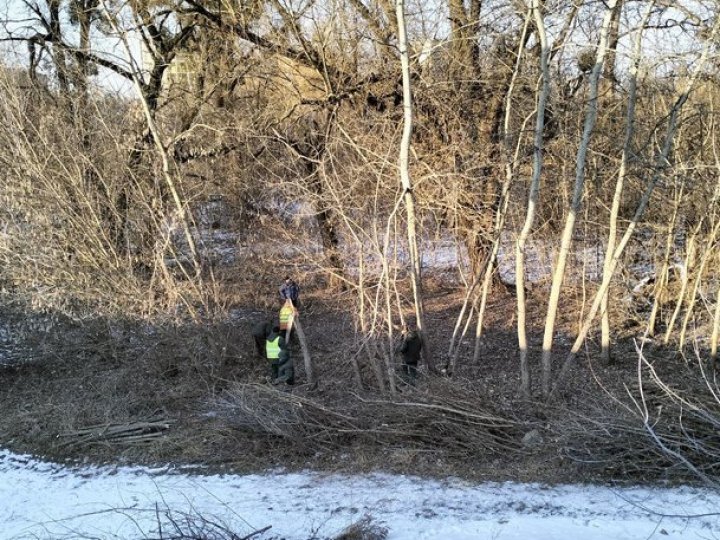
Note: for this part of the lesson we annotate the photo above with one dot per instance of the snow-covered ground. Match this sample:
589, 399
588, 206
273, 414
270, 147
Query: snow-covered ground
41, 500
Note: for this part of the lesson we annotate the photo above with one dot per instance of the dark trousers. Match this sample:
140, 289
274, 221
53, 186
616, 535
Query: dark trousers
274, 366
286, 371
260, 345
408, 371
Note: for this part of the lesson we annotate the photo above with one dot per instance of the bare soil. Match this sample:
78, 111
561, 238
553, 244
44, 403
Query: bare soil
197, 394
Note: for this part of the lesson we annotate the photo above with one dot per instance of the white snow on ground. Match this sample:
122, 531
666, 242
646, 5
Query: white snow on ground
41, 500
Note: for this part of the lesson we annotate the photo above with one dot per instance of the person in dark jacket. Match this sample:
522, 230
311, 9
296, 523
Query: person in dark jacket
409, 348
286, 369
274, 345
260, 332
290, 290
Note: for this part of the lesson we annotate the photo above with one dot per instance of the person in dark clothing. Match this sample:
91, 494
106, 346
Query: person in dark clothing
409, 348
286, 369
274, 345
260, 332
290, 290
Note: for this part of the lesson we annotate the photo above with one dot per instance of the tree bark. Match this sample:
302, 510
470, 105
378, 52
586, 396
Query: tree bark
307, 359
613, 40
661, 280
709, 250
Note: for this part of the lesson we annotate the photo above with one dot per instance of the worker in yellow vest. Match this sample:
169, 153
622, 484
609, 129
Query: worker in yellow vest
260, 332
286, 315
274, 344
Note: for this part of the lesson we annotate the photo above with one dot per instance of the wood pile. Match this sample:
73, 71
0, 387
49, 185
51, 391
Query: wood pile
131, 433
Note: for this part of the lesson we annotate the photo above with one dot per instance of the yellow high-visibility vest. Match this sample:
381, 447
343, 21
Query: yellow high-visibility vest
286, 313
272, 348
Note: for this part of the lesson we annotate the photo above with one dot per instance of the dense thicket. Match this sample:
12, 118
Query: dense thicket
253, 136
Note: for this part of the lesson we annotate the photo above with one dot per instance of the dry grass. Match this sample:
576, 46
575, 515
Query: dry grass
206, 385
204, 382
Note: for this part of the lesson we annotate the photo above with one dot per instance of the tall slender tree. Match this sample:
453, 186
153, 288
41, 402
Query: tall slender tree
408, 195
577, 196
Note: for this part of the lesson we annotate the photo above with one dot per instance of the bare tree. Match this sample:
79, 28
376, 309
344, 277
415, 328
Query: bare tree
167, 166
408, 196
566, 239
622, 172
661, 164
542, 98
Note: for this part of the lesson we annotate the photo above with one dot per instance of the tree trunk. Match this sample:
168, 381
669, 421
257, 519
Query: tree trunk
326, 224
532, 198
684, 279
460, 42
309, 371
715, 337
613, 39
566, 239
620, 183
60, 61
404, 165
661, 280
511, 160
709, 250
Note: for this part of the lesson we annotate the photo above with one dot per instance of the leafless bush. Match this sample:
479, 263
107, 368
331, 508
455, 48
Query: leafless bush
681, 415
363, 529
612, 445
175, 525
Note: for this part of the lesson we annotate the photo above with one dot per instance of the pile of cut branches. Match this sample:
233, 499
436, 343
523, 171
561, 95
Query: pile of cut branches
453, 424
655, 432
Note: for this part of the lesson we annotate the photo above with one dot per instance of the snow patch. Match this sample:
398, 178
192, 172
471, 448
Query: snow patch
43, 500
